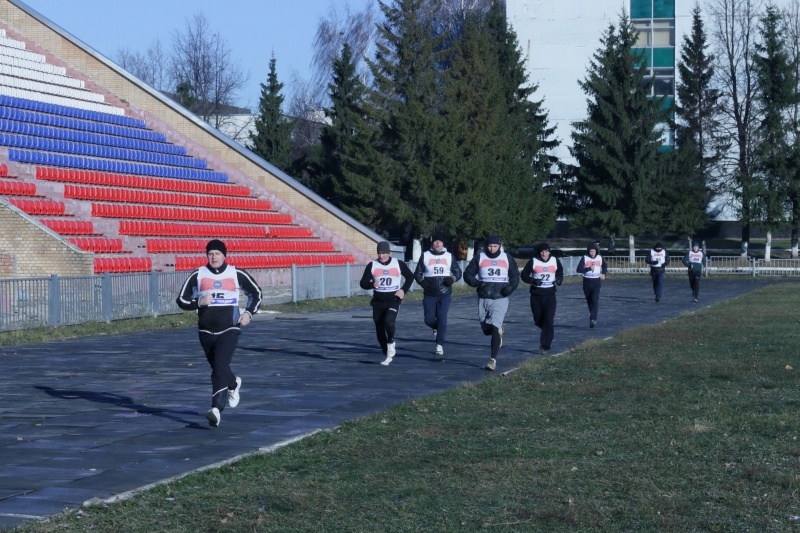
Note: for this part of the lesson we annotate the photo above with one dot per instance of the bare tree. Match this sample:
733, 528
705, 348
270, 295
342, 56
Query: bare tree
453, 13
791, 17
357, 28
306, 107
149, 66
733, 26
202, 66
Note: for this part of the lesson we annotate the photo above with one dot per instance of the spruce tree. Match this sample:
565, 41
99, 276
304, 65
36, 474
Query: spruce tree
793, 193
791, 19
474, 112
408, 101
345, 168
528, 209
775, 96
619, 175
272, 138
697, 132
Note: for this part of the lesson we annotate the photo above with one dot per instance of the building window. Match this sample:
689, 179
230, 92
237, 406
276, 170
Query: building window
641, 9
663, 57
663, 9
643, 35
664, 86
663, 33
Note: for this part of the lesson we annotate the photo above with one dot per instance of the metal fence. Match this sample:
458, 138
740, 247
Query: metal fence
60, 301
717, 265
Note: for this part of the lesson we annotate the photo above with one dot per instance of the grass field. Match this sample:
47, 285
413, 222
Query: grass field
691, 425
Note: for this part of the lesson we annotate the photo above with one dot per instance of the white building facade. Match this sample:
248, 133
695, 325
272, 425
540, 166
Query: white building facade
559, 38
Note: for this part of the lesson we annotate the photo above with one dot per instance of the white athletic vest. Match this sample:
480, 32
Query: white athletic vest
659, 257
493, 270
545, 271
695, 257
594, 267
223, 287
387, 276
437, 265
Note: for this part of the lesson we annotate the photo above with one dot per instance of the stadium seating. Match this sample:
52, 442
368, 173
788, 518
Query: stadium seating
112, 186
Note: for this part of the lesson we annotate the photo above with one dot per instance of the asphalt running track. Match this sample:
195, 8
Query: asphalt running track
103, 417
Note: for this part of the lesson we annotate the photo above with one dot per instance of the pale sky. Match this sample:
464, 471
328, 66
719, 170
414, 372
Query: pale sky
253, 29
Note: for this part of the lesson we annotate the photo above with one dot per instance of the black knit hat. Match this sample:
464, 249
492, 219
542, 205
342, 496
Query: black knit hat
592, 247
384, 247
492, 239
544, 246
438, 236
216, 244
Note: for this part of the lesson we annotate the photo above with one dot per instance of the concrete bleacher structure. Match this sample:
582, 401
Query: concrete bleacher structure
100, 173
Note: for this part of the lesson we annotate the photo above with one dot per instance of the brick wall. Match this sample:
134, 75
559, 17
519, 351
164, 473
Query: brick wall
6, 266
29, 250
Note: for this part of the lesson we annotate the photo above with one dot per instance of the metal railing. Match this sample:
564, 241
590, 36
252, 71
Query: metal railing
60, 301
717, 265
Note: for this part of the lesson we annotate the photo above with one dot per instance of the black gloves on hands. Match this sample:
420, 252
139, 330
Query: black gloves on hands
536, 282
449, 281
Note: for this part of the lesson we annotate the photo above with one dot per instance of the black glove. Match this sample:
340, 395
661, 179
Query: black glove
559, 281
505, 291
449, 281
536, 282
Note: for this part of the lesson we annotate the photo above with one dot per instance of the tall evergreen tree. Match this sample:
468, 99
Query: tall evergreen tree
618, 179
697, 131
474, 110
530, 210
791, 18
345, 170
775, 96
272, 138
408, 101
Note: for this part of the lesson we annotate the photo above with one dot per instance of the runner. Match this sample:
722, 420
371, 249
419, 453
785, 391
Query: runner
658, 259
436, 272
696, 261
495, 275
545, 273
213, 291
383, 275
594, 270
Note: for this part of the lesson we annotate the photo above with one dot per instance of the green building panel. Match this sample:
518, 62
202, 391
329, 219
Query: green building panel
664, 57
642, 56
663, 9
641, 9
652, 9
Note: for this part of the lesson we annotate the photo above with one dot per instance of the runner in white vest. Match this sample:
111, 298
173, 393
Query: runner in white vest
696, 261
594, 269
436, 272
545, 273
658, 259
495, 274
213, 291
389, 280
